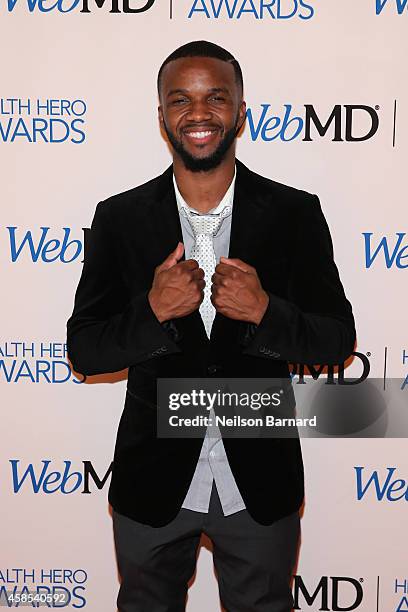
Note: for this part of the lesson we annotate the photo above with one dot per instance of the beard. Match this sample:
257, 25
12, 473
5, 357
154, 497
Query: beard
204, 164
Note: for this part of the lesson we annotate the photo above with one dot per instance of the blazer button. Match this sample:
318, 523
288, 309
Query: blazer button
212, 369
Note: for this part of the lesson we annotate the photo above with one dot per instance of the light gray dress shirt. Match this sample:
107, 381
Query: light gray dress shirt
212, 463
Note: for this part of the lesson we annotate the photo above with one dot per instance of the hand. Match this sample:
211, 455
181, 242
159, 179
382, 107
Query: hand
177, 288
236, 291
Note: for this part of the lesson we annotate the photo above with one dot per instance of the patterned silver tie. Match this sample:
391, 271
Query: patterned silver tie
205, 227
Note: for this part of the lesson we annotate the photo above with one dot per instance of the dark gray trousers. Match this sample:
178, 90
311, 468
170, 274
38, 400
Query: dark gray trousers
253, 562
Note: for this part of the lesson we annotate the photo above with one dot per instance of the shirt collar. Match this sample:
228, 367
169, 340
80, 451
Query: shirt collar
227, 200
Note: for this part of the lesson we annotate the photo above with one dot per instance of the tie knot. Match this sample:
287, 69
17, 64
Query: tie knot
206, 224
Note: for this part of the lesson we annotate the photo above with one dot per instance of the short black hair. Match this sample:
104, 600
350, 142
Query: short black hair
203, 48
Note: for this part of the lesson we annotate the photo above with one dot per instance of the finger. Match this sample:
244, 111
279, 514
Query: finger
197, 274
189, 264
218, 280
178, 251
225, 269
173, 258
215, 290
236, 263
215, 302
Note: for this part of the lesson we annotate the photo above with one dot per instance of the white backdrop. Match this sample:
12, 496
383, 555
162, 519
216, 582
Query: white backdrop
335, 53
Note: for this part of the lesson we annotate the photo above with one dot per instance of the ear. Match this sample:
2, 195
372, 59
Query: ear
160, 113
242, 113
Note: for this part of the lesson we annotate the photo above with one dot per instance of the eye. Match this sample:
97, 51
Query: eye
179, 101
218, 98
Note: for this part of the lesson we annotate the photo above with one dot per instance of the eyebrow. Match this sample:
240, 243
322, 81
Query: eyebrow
173, 92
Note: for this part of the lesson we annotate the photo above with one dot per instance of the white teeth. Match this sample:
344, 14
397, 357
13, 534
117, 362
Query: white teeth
199, 134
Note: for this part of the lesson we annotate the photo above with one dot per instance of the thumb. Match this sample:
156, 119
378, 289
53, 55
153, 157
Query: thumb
172, 259
236, 263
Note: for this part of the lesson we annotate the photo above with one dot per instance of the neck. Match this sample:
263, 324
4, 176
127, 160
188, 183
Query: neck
204, 190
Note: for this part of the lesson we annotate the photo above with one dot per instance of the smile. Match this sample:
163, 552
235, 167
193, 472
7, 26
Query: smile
199, 134
202, 136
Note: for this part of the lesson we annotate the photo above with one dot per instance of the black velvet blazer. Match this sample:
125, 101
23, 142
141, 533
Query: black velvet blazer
279, 230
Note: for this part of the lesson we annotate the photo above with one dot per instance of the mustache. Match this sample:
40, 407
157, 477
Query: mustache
200, 126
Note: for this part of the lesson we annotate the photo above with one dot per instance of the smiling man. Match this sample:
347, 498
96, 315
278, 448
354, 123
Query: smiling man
207, 270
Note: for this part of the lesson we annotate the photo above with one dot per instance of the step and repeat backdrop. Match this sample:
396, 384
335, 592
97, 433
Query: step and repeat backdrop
327, 96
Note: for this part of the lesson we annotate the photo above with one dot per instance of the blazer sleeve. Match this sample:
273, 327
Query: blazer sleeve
109, 329
315, 325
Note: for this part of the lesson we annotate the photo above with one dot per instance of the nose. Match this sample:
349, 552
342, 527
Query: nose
199, 111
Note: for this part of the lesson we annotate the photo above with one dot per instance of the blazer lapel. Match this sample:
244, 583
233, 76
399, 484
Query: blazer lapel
246, 213
167, 226
246, 216
165, 217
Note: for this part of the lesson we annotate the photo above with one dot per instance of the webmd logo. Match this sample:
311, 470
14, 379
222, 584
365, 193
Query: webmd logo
40, 246
392, 252
348, 122
65, 480
396, 5
82, 6
385, 486
331, 593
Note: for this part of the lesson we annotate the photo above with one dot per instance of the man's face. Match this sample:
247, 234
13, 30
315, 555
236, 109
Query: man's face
201, 110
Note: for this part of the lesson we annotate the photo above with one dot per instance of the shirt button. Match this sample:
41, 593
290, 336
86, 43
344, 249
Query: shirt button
212, 454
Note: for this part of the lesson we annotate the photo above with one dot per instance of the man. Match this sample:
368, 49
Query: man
207, 270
